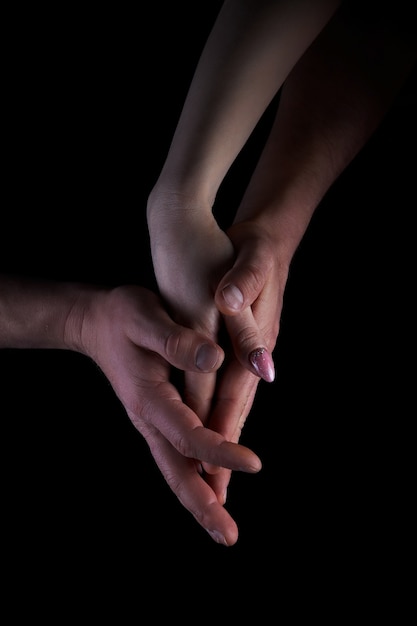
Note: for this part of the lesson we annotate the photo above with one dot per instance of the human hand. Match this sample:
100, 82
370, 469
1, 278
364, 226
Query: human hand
133, 340
260, 273
190, 254
257, 280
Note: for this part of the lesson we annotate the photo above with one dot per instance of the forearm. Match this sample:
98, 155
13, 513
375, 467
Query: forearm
330, 105
250, 51
40, 314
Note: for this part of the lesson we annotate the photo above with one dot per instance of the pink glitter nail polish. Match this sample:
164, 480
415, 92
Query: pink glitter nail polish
262, 361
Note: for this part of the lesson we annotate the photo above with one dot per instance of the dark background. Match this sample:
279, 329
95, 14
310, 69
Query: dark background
91, 102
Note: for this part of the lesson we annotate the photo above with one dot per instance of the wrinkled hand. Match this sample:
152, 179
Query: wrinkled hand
134, 341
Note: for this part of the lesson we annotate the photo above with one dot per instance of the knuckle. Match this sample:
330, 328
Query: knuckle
173, 344
246, 337
252, 279
182, 445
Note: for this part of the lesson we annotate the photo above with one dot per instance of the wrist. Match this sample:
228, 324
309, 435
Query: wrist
82, 319
283, 220
173, 200
38, 314
266, 237
174, 212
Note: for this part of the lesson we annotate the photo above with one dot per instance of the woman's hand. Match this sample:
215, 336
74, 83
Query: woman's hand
190, 254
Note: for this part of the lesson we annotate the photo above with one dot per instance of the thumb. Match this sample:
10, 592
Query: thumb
185, 348
152, 328
242, 284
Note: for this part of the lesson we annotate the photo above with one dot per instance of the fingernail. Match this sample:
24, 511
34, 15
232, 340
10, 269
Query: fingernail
254, 468
262, 361
207, 357
218, 537
233, 297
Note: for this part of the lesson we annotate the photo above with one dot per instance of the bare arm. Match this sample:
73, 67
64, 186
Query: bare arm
251, 49
332, 102
253, 46
34, 313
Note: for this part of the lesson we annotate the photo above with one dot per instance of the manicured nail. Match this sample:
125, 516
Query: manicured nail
262, 361
207, 357
233, 297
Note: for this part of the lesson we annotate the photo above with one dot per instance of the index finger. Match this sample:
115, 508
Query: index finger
249, 344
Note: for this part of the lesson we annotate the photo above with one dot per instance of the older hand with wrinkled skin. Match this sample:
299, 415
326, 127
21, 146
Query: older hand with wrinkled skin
141, 344
136, 344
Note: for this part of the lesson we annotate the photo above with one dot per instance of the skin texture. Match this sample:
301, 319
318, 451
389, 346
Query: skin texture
339, 67
339, 71
132, 339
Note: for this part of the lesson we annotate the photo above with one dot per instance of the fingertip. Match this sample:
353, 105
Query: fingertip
263, 364
245, 460
254, 466
209, 357
251, 464
218, 537
225, 532
231, 298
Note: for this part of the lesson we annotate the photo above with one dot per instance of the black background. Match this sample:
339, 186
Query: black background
90, 104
